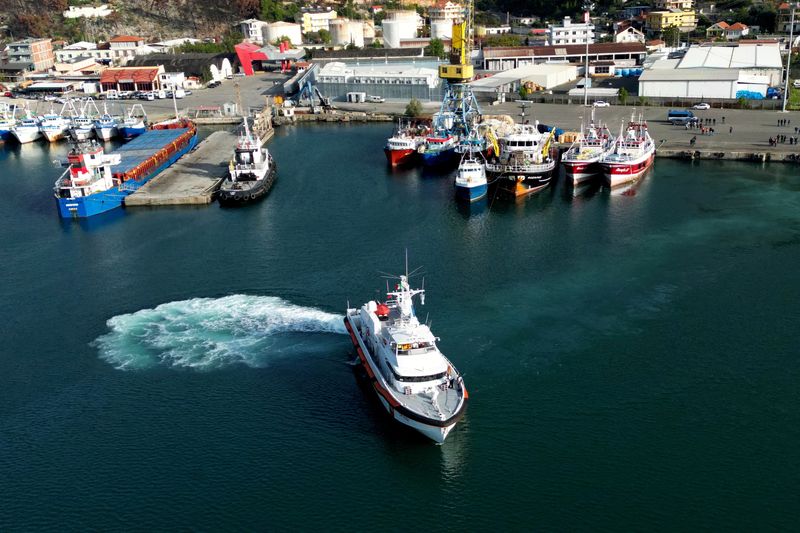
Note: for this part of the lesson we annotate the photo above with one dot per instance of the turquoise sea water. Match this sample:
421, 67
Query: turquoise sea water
631, 357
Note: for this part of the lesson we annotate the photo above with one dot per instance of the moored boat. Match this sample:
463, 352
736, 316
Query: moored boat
582, 160
470, 183
439, 150
525, 164
82, 128
8, 121
134, 124
401, 147
252, 172
633, 153
54, 127
416, 384
27, 130
106, 127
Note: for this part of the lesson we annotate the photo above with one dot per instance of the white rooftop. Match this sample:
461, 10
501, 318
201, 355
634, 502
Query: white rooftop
750, 56
522, 73
81, 45
697, 74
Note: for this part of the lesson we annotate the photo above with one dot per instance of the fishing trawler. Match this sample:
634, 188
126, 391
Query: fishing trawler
401, 147
54, 126
27, 130
525, 164
106, 127
8, 120
82, 128
633, 153
252, 172
582, 160
134, 124
471, 183
439, 149
413, 380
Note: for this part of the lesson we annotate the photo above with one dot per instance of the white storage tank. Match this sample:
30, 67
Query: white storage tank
441, 29
340, 32
399, 25
276, 30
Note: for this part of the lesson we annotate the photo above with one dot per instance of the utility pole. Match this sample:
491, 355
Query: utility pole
788, 60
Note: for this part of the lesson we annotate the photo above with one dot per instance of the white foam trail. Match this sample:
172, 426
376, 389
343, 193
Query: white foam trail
208, 333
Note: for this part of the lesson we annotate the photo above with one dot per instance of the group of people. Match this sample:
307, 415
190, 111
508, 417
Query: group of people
785, 122
773, 141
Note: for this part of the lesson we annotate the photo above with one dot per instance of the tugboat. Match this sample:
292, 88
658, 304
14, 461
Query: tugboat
582, 160
414, 381
525, 164
633, 153
252, 171
401, 147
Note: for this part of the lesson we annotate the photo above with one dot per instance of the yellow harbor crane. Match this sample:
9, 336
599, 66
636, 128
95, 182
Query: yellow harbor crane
460, 69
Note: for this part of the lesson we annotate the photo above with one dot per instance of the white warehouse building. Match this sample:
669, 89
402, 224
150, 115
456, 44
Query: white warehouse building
701, 83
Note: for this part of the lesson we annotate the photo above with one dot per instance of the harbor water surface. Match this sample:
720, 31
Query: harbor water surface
631, 357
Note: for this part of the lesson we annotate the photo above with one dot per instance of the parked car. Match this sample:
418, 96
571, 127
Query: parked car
8, 94
213, 84
701, 105
796, 84
601, 103
376, 99
49, 98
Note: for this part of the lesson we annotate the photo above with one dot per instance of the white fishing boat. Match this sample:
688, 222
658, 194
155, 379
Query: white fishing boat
413, 380
471, 184
106, 126
8, 120
82, 128
27, 130
54, 126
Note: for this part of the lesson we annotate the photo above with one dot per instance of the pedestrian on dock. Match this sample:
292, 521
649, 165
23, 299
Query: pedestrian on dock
693, 140
714, 121
723, 120
731, 132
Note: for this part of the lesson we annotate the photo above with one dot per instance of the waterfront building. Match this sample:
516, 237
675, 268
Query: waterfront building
535, 77
570, 32
38, 52
504, 58
401, 81
131, 78
119, 50
197, 65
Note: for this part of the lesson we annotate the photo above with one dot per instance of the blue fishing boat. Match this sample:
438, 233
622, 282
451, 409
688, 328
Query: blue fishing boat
439, 150
96, 182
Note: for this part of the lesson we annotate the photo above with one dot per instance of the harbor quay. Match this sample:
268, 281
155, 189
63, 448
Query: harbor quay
739, 134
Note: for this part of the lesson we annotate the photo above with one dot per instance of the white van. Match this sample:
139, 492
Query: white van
376, 99
112, 94
180, 93
796, 84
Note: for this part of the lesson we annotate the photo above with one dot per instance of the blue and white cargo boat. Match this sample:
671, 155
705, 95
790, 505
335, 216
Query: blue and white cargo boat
96, 182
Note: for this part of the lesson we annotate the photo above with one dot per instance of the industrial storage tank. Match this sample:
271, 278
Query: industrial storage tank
345, 31
276, 30
441, 29
399, 25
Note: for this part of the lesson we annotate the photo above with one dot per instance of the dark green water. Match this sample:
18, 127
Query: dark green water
632, 358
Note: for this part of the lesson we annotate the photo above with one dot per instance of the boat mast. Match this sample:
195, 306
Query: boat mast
241, 109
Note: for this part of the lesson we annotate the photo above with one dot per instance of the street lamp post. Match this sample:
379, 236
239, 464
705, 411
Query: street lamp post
587, 6
788, 60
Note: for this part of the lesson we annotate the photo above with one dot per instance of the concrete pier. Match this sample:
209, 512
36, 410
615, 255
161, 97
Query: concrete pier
193, 179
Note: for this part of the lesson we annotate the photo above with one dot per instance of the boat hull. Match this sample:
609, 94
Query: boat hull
578, 172
127, 132
621, 173
91, 205
232, 197
27, 136
54, 135
471, 194
400, 157
436, 430
440, 158
82, 134
106, 134
6, 135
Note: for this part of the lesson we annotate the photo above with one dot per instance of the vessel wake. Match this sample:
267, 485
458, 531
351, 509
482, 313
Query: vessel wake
211, 333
